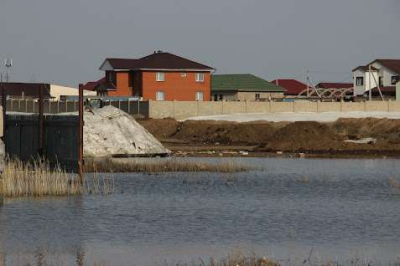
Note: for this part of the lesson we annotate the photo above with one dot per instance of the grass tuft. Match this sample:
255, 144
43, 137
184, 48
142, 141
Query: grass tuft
38, 179
164, 165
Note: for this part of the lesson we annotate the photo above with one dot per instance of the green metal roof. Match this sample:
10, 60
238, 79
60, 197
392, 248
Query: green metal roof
242, 82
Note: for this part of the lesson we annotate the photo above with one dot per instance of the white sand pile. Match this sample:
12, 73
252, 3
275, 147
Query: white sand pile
110, 131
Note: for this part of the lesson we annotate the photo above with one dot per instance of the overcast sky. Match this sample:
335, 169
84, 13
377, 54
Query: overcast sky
65, 41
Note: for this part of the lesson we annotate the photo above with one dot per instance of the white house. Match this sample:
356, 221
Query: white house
381, 72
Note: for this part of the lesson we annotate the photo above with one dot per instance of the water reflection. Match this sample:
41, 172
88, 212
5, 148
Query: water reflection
339, 207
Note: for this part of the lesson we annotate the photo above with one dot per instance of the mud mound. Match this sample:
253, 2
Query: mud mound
160, 128
305, 136
383, 129
225, 132
110, 131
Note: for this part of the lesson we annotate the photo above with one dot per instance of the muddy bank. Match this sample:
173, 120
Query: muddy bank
290, 137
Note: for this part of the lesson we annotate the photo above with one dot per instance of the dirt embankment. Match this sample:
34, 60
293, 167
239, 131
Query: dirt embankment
307, 137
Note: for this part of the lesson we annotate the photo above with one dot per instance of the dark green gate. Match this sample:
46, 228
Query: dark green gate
60, 139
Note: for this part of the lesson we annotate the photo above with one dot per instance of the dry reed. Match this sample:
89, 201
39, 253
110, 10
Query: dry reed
394, 182
39, 179
165, 165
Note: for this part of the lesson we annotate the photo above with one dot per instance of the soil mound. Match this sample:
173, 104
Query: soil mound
212, 132
109, 131
162, 129
300, 136
383, 129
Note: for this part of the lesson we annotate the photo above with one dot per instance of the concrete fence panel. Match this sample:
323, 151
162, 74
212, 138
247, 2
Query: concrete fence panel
377, 106
210, 108
257, 107
161, 109
183, 110
324, 107
282, 107
352, 107
394, 106
234, 108
305, 107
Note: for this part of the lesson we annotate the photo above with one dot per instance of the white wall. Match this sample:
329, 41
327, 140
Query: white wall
358, 90
371, 80
56, 91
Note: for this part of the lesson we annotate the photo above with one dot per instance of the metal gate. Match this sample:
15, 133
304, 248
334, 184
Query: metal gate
60, 139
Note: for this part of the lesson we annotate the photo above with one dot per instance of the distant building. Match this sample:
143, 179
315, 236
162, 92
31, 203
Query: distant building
159, 76
292, 87
334, 85
243, 87
18, 90
381, 72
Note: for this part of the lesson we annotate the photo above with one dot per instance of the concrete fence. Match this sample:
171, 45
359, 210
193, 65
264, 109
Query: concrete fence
182, 110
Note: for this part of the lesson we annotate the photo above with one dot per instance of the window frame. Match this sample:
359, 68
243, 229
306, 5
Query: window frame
395, 79
160, 76
357, 81
202, 96
258, 96
157, 94
198, 75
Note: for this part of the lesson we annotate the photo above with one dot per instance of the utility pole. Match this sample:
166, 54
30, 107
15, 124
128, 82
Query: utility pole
308, 85
369, 81
8, 63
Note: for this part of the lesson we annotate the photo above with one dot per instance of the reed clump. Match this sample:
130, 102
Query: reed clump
394, 182
38, 179
161, 165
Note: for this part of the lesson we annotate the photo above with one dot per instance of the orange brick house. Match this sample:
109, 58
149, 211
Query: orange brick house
159, 76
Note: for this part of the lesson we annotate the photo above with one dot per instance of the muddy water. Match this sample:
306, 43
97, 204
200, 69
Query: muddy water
339, 209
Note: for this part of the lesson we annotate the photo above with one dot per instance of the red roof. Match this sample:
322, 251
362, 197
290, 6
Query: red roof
391, 64
334, 85
387, 91
29, 90
292, 86
158, 60
91, 85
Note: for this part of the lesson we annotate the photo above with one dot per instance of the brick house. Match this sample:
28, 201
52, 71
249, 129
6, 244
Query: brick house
159, 76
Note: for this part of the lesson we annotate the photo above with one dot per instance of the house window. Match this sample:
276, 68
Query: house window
221, 97
183, 75
199, 96
112, 77
160, 96
160, 76
215, 97
359, 81
395, 79
380, 81
257, 96
199, 77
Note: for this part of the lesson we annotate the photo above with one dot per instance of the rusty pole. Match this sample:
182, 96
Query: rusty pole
41, 122
4, 104
80, 141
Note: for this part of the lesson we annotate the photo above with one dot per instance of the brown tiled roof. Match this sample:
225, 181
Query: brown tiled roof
391, 64
158, 60
91, 85
29, 90
387, 91
334, 85
292, 86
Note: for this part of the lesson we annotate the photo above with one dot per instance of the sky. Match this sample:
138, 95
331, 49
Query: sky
65, 42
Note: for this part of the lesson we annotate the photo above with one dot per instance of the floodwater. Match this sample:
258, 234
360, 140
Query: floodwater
288, 210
